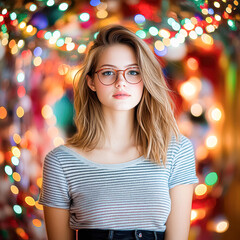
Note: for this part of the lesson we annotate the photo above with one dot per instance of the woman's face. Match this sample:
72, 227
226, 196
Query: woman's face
121, 95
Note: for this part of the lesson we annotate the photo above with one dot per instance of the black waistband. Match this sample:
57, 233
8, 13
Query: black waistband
106, 234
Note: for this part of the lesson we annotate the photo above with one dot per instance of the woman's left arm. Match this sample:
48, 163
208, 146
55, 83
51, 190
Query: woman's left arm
178, 223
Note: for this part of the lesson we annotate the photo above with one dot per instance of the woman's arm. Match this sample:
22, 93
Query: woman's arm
57, 224
178, 223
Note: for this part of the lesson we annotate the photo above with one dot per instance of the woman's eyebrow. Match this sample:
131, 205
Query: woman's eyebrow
110, 65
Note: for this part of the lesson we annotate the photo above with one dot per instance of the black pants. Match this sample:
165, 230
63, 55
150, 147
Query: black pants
99, 234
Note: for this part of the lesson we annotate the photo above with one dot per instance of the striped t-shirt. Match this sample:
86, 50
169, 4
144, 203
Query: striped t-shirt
128, 196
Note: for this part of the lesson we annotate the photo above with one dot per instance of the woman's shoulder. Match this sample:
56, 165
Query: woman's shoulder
182, 142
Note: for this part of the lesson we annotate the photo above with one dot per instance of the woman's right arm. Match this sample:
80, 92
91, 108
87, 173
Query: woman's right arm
57, 224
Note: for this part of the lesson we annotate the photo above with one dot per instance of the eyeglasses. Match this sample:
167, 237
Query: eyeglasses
107, 76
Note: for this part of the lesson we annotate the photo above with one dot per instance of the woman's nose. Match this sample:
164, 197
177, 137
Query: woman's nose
121, 81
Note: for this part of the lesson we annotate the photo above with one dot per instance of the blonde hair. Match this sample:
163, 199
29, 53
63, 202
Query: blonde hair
154, 119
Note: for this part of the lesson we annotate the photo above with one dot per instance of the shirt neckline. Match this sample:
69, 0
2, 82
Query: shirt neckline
103, 165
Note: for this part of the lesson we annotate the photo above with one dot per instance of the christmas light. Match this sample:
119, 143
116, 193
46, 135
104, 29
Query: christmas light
15, 160
196, 110
16, 152
95, 3
8, 170
57, 141
201, 190
102, 14
47, 111
211, 178
84, 17
50, 3
141, 34
3, 112
139, 19
211, 141
16, 176
20, 112
153, 31
63, 7
82, 48
17, 209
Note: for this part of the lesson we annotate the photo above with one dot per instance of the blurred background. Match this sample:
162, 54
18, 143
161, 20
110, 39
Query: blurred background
42, 46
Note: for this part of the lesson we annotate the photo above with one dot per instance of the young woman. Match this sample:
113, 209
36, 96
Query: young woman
127, 173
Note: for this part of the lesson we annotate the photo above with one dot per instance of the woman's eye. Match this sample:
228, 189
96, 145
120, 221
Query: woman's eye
107, 73
133, 72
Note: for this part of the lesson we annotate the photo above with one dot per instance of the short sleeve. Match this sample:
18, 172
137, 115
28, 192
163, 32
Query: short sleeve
183, 169
54, 191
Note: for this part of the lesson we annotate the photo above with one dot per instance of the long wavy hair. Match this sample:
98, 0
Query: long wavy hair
154, 119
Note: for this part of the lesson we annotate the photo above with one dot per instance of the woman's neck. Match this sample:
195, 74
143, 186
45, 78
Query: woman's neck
119, 130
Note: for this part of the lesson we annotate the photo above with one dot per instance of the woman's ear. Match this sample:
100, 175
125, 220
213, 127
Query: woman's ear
90, 83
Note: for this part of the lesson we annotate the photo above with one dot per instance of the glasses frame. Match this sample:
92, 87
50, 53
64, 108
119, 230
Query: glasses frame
116, 71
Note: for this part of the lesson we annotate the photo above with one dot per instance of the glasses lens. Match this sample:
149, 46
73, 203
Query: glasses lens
107, 76
133, 75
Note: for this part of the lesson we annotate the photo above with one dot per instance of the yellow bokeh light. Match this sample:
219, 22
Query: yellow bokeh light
1, 157
30, 201
159, 45
216, 114
193, 215
210, 28
205, 11
216, 4
22, 25
14, 189
68, 40
222, 226
166, 42
194, 20
102, 14
20, 112
196, 109
37, 61
16, 138
20, 43
192, 63
37, 222
217, 17
188, 90
29, 28
228, 10
63, 69
201, 190
82, 48
16, 152
4, 41
211, 141
3, 112
38, 206
164, 33
208, 19
207, 39
70, 46
52, 40
57, 141
16, 177
39, 182
47, 111
14, 50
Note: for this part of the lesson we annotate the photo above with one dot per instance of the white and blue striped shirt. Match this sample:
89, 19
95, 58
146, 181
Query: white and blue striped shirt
125, 196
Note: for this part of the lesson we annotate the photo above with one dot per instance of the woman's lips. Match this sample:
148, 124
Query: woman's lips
121, 96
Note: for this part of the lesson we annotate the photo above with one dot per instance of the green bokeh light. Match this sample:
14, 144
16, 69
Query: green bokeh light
211, 178
141, 34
